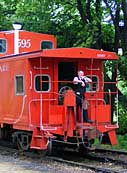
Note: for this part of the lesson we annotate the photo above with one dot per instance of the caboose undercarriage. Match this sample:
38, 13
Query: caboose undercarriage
80, 139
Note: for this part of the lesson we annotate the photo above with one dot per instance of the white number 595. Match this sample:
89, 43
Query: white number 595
24, 43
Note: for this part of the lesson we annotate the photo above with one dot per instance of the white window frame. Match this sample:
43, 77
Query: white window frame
19, 93
46, 41
41, 75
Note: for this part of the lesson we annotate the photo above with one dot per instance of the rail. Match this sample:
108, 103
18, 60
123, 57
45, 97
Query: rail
106, 96
96, 96
41, 112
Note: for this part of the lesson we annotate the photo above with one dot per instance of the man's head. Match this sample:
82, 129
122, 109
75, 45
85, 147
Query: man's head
80, 73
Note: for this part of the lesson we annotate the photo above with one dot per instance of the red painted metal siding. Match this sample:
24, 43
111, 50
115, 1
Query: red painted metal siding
13, 108
40, 101
28, 41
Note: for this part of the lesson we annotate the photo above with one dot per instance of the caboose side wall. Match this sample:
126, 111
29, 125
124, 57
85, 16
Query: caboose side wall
13, 104
28, 41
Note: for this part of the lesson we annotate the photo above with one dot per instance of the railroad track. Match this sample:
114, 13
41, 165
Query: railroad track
117, 169
96, 161
113, 155
100, 161
103, 150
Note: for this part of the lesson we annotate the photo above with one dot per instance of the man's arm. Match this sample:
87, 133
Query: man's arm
76, 81
87, 79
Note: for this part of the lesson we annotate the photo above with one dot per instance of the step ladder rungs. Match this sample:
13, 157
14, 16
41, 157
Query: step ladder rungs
38, 136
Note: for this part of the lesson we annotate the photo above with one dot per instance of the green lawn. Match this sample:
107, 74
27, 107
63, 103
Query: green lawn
122, 143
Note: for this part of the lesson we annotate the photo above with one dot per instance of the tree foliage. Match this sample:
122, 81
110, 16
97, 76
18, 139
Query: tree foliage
74, 22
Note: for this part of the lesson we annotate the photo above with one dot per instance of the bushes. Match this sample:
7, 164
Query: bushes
122, 141
122, 120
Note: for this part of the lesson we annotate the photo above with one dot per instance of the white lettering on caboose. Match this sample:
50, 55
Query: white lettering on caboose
4, 67
101, 55
23, 43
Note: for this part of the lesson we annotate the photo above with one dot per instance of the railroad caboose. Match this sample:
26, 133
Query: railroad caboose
37, 99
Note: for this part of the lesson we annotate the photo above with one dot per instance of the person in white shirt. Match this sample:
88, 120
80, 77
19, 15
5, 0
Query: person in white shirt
80, 82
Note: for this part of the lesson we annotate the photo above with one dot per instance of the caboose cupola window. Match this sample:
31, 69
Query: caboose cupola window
19, 85
42, 83
46, 45
3, 46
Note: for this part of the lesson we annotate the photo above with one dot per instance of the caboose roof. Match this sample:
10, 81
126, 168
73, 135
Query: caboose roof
80, 53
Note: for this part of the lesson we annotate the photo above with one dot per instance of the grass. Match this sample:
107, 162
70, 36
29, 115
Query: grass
122, 143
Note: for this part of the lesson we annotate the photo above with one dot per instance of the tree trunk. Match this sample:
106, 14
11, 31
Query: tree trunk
98, 36
81, 12
124, 27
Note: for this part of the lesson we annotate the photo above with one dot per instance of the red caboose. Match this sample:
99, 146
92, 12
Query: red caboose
37, 100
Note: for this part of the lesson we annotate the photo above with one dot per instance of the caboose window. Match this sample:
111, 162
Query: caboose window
46, 45
2, 46
92, 86
19, 84
42, 83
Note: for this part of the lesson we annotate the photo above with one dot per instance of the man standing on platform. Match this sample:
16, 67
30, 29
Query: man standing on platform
80, 82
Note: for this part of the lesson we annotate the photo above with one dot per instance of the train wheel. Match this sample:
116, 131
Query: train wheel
21, 146
22, 140
86, 147
82, 149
